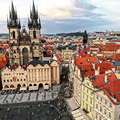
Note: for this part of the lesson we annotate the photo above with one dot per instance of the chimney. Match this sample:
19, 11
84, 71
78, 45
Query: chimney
108, 72
93, 66
113, 69
97, 72
106, 78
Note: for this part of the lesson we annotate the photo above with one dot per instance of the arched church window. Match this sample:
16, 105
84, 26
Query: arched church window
25, 55
34, 34
13, 34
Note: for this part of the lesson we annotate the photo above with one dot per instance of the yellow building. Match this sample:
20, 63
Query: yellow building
87, 102
77, 85
67, 54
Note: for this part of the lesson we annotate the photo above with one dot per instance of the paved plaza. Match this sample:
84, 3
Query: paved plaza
77, 112
21, 97
36, 105
49, 110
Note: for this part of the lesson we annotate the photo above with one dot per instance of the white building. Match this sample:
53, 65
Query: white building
37, 75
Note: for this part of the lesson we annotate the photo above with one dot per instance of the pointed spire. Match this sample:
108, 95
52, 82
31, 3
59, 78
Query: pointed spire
12, 7
33, 13
33, 8
13, 19
34, 21
85, 37
13, 12
19, 24
39, 23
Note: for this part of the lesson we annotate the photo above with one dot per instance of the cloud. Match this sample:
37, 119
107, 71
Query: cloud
56, 9
109, 9
68, 15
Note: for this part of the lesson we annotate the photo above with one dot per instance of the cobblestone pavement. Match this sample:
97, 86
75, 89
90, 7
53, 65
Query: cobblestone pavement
21, 97
49, 110
40, 105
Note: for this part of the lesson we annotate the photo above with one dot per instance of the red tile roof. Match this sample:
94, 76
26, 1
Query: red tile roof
85, 63
116, 57
111, 88
3, 60
105, 66
110, 47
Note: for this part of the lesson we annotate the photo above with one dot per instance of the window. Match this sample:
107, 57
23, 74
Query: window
110, 104
13, 34
34, 34
96, 106
109, 115
100, 118
91, 100
97, 97
105, 101
96, 116
105, 111
90, 109
86, 97
87, 91
100, 109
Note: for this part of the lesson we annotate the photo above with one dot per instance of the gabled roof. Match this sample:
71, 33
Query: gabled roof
85, 64
105, 66
41, 62
111, 88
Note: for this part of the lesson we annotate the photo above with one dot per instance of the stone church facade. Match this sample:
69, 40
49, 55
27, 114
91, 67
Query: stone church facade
24, 45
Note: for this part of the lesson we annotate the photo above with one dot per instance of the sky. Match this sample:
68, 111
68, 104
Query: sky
66, 15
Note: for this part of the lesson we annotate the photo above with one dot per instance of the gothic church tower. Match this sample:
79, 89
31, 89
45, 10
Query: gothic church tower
34, 25
14, 27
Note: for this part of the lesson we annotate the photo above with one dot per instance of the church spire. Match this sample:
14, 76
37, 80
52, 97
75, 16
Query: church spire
34, 22
13, 19
85, 37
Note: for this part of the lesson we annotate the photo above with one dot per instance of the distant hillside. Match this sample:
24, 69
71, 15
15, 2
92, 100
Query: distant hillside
67, 34
4, 36
70, 34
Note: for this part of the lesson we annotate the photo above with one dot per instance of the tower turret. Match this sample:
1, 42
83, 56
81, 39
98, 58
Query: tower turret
13, 23
34, 23
85, 38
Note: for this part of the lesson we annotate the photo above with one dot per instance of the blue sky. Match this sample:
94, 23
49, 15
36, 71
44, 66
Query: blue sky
67, 15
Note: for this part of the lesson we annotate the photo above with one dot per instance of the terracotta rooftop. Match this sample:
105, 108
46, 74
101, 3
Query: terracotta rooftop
111, 87
106, 82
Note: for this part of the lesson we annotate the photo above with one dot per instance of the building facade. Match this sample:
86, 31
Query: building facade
24, 45
67, 54
98, 103
36, 75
